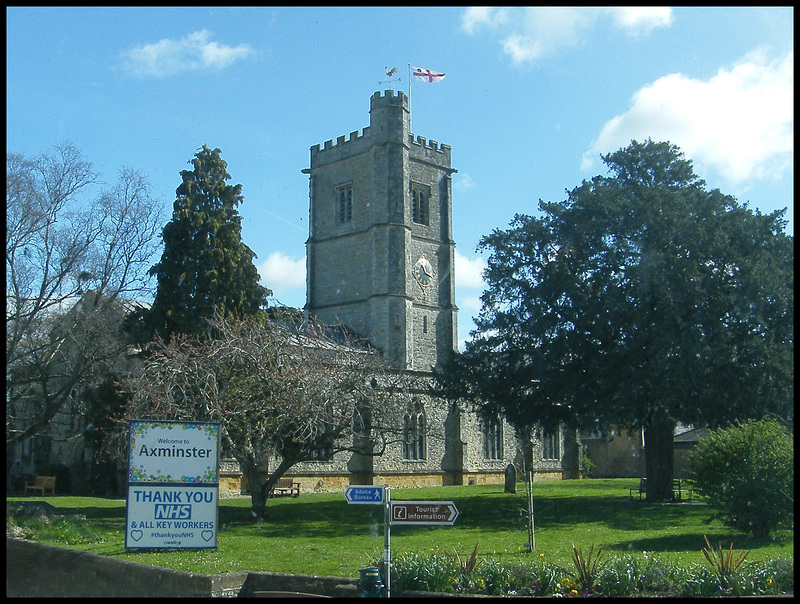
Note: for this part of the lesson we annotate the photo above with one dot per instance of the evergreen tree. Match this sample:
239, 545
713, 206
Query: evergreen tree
642, 300
205, 265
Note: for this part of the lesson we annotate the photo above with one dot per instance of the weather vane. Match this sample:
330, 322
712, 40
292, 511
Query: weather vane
389, 74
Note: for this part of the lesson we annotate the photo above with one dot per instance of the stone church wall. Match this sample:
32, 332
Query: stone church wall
360, 275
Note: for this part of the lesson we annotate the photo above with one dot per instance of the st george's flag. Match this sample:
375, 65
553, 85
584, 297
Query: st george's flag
425, 75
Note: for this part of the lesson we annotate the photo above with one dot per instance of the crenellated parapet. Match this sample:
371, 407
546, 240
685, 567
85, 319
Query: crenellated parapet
432, 151
357, 142
389, 113
388, 124
388, 98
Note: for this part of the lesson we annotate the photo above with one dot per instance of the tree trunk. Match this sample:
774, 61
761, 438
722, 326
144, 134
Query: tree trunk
259, 492
658, 437
259, 499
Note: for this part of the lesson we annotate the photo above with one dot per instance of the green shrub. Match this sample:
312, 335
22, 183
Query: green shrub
59, 530
618, 576
699, 581
627, 576
753, 579
587, 465
747, 473
535, 579
493, 579
424, 572
770, 578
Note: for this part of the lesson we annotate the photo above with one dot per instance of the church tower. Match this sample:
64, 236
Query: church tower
380, 251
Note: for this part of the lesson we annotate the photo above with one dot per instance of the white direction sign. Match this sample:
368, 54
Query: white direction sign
364, 495
435, 513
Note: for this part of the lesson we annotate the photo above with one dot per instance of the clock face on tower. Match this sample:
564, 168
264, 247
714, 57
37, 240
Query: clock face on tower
423, 272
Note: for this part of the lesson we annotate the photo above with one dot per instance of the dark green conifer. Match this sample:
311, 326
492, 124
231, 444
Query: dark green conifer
205, 265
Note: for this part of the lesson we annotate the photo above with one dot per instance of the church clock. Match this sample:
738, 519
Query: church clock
423, 272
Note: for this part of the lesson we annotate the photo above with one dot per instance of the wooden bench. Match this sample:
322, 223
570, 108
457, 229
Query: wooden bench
641, 489
42, 484
677, 489
285, 486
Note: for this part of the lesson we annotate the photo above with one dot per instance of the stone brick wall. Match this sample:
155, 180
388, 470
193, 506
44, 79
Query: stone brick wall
36, 570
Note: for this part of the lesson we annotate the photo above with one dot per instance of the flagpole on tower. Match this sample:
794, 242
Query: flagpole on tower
409, 98
424, 75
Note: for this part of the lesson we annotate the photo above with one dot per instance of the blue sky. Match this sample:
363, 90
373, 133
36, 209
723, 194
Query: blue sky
531, 98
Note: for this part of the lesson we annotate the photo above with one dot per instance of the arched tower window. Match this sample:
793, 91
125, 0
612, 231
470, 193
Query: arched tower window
492, 439
414, 433
420, 210
344, 203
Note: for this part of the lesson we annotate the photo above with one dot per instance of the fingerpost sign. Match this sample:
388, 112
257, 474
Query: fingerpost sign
364, 495
424, 513
399, 513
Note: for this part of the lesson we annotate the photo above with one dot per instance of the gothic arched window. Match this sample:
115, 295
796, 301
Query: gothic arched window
492, 439
414, 433
551, 444
344, 202
420, 210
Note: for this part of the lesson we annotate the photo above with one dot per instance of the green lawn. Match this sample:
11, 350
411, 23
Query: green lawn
320, 534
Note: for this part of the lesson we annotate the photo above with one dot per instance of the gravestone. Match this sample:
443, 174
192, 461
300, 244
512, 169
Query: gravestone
511, 479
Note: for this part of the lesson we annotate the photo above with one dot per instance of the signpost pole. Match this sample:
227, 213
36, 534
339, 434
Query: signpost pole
387, 538
531, 535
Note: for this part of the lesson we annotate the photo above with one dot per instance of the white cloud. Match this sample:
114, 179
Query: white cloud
739, 122
282, 274
463, 182
469, 271
545, 30
470, 305
190, 53
534, 32
478, 16
641, 20
468, 308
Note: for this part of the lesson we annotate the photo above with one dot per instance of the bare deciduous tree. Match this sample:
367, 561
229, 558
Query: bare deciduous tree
274, 387
63, 250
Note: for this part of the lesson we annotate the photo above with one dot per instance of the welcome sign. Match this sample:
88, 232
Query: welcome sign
173, 485
184, 452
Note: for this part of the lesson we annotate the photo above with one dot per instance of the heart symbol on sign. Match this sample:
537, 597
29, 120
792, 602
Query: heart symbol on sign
207, 535
136, 535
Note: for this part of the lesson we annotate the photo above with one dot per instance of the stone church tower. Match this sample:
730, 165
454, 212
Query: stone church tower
380, 256
380, 251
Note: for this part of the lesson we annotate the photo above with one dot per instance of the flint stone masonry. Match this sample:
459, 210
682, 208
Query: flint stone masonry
359, 270
366, 233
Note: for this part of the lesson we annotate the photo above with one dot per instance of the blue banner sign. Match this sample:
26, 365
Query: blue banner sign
364, 495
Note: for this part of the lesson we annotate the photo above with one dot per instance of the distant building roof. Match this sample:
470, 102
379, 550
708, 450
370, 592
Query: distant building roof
690, 436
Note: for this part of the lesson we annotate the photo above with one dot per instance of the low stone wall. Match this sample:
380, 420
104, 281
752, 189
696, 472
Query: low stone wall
36, 570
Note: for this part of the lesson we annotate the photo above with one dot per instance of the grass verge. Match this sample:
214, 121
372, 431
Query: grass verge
320, 534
